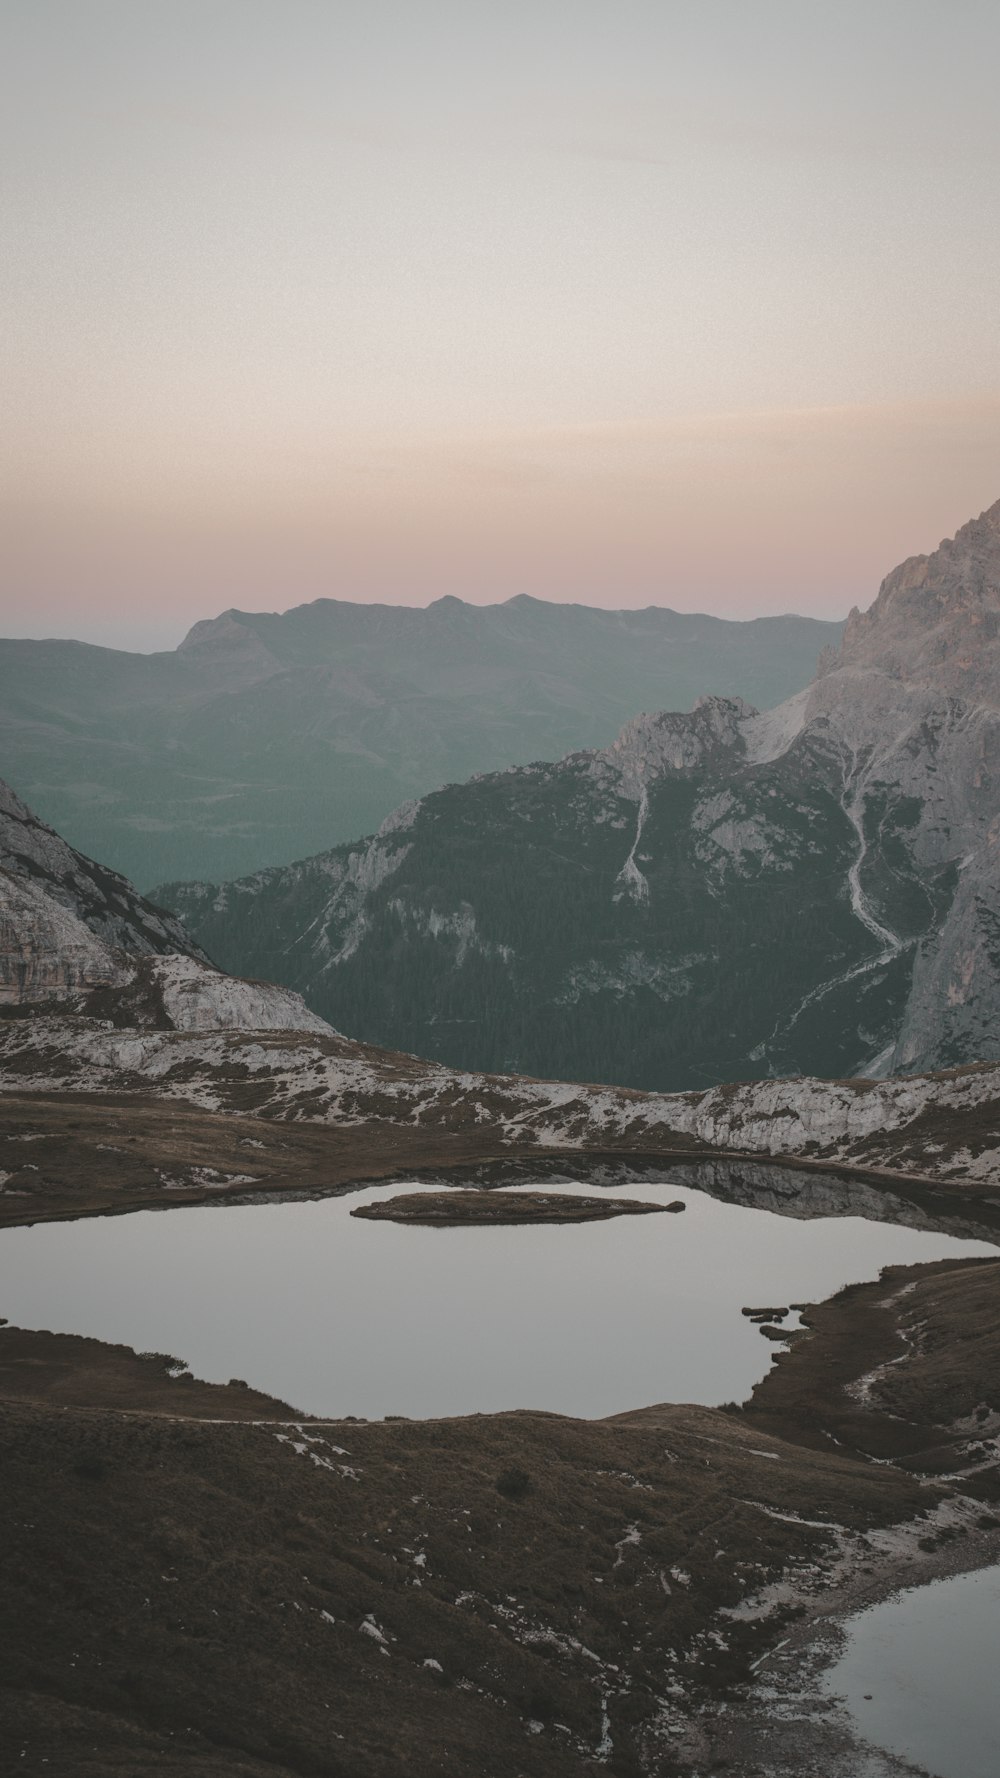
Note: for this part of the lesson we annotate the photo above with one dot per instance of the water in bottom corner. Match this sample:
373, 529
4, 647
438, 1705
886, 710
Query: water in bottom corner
918, 1676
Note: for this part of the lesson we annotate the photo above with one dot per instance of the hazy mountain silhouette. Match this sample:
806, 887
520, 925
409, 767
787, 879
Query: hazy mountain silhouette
264, 737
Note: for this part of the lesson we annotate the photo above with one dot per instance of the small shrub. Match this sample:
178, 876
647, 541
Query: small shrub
164, 1361
513, 1483
541, 1704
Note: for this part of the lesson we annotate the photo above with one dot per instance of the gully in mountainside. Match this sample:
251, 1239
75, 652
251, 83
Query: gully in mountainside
859, 768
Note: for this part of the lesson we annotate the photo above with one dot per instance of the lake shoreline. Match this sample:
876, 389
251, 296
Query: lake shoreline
958, 1533
792, 1721
112, 1153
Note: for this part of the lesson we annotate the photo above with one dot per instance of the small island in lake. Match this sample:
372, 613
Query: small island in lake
456, 1207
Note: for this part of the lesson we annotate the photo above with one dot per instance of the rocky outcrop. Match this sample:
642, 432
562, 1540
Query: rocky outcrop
46, 951
913, 700
32, 853
67, 925
71, 931
196, 998
649, 747
936, 622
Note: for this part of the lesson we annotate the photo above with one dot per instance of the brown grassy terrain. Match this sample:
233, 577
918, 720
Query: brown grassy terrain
68, 1371
170, 1578
929, 1338
194, 1580
212, 1595
82, 1155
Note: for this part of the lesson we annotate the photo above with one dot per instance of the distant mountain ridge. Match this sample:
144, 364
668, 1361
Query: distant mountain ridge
265, 737
718, 895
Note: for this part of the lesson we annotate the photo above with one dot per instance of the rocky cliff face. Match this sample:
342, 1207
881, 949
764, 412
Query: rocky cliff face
71, 931
194, 997
718, 895
46, 951
66, 923
106, 903
936, 621
914, 701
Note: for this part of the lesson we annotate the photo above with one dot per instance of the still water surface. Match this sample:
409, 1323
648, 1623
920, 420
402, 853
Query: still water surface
340, 1316
919, 1675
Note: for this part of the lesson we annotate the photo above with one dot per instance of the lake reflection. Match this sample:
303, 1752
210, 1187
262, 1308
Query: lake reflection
341, 1316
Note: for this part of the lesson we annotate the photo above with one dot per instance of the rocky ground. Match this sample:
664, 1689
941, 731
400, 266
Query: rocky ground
196, 1582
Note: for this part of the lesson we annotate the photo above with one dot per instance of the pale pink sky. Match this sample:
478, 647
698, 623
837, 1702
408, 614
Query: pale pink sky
691, 303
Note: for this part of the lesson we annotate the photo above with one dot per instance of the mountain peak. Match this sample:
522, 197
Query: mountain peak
936, 620
665, 741
226, 627
230, 644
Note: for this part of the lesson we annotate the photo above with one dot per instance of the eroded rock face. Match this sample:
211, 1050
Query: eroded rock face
46, 952
936, 621
651, 746
67, 925
914, 701
196, 998
71, 931
105, 903
718, 895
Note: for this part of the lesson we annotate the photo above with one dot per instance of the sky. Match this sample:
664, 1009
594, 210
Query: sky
678, 302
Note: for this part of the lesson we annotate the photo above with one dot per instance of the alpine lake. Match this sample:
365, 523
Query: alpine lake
341, 1316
